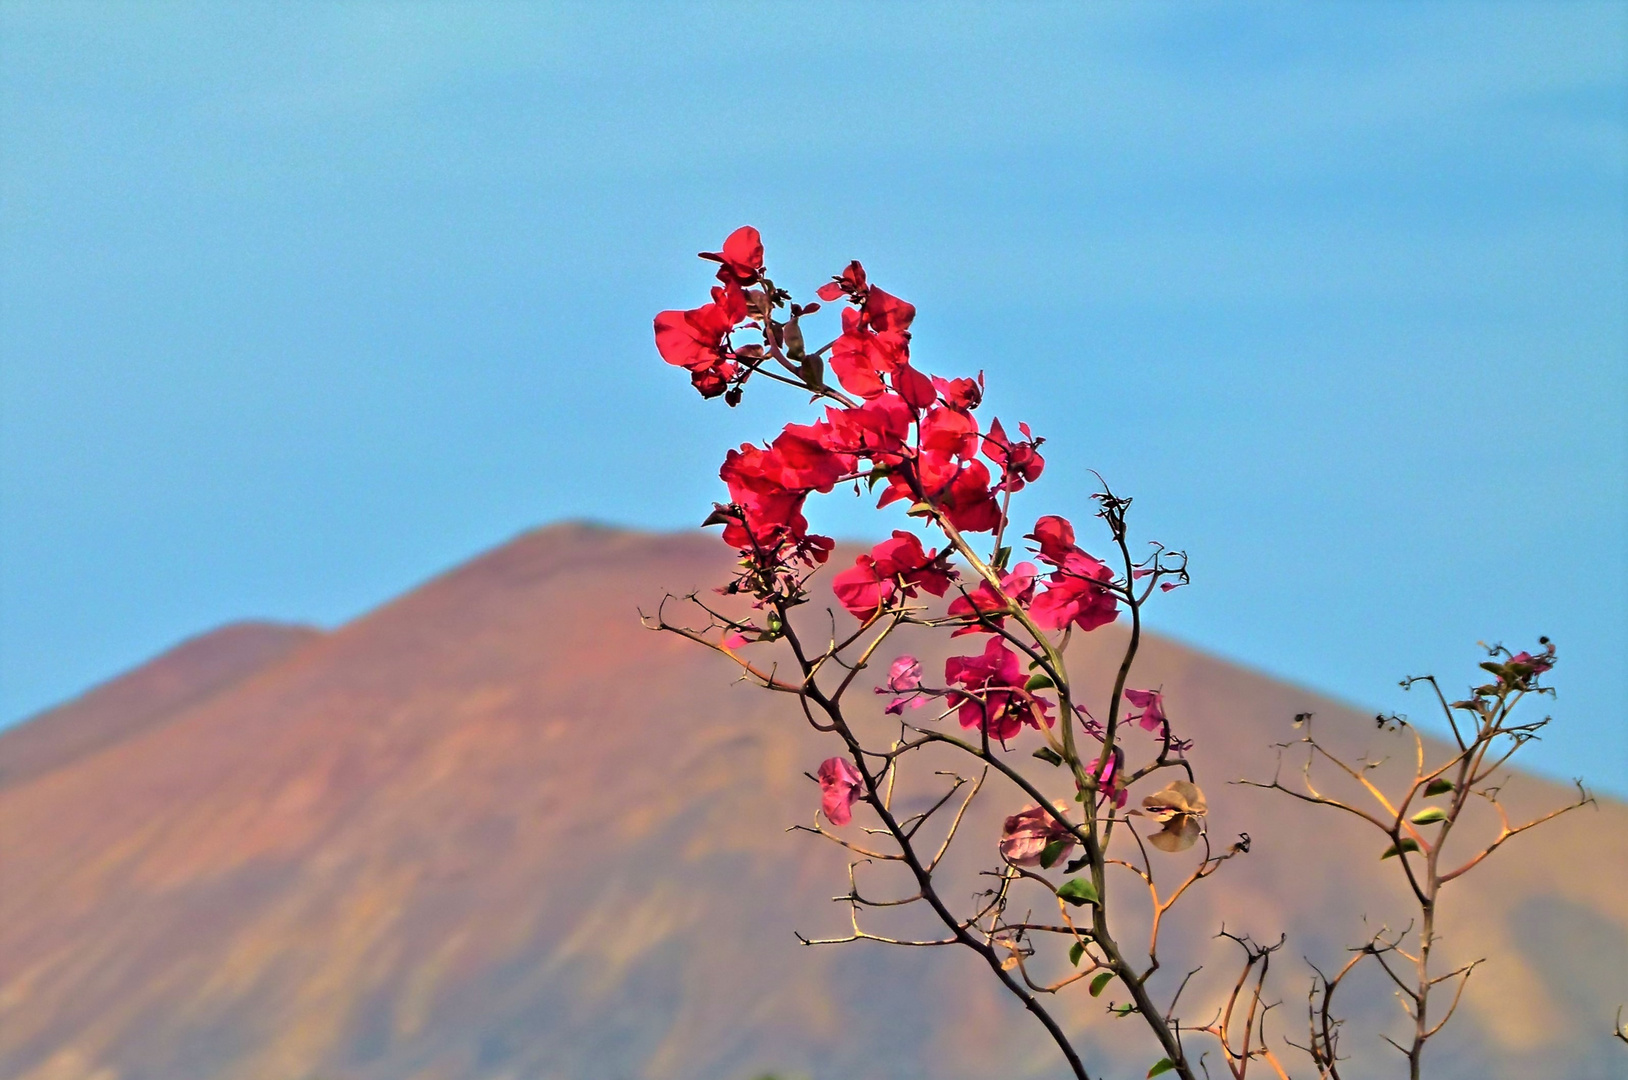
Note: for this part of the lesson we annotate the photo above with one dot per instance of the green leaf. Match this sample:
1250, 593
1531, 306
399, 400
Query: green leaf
1078, 891
1050, 854
1163, 1065
1049, 756
1076, 865
1438, 786
1396, 849
1101, 982
1039, 681
920, 509
1430, 815
1002, 557
1075, 951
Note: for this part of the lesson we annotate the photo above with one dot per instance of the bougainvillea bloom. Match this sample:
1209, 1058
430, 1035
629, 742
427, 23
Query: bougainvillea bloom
1026, 833
1019, 585
698, 340
993, 697
840, 786
863, 354
851, 282
1178, 807
742, 257
1020, 462
1110, 776
1151, 702
963, 394
1076, 592
770, 511
904, 681
876, 429
896, 567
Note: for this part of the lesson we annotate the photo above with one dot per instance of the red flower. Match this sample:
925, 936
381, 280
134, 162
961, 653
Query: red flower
804, 459
840, 785
850, 282
877, 429
886, 313
968, 502
771, 512
1076, 593
896, 567
962, 394
862, 355
914, 387
948, 433
1019, 585
1020, 462
742, 257
698, 340
993, 697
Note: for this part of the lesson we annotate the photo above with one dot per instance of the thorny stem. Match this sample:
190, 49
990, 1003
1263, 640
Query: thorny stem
1419, 853
823, 710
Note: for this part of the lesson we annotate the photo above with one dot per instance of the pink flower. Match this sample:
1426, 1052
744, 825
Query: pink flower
1151, 702
1026, 833
993, 696
904, 680
839, 789
1110, 777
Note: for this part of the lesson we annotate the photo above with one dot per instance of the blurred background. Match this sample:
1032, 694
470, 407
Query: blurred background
303, 303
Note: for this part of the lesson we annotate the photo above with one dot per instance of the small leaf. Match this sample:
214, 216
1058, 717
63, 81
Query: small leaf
1077, 891
1050, 854
1076, 865
1163, 1065
1039, 681
1396, 849
1438, 786
1101, 982
1049, 756
920, 509
1002, 557
1075, 951
1430, 815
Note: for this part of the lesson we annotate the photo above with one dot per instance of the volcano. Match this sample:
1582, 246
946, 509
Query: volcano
496, 829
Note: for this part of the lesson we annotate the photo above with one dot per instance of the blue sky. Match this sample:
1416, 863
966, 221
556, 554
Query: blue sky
302, 304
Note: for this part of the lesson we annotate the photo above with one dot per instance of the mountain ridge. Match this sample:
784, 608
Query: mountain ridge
495, 828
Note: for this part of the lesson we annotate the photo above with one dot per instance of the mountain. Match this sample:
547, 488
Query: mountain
190, 673
496, 829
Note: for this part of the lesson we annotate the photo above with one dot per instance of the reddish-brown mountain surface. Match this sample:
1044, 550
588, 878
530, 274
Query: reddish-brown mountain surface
497, 830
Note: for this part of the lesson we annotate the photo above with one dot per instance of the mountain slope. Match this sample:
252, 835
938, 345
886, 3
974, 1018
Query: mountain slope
496, 829
189, 673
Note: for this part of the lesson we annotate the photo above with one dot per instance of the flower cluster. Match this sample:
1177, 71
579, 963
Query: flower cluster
911, 438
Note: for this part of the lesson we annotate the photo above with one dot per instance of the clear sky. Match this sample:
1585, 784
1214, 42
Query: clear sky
301, 304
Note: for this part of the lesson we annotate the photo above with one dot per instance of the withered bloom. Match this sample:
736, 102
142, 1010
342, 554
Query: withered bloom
1177, 807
